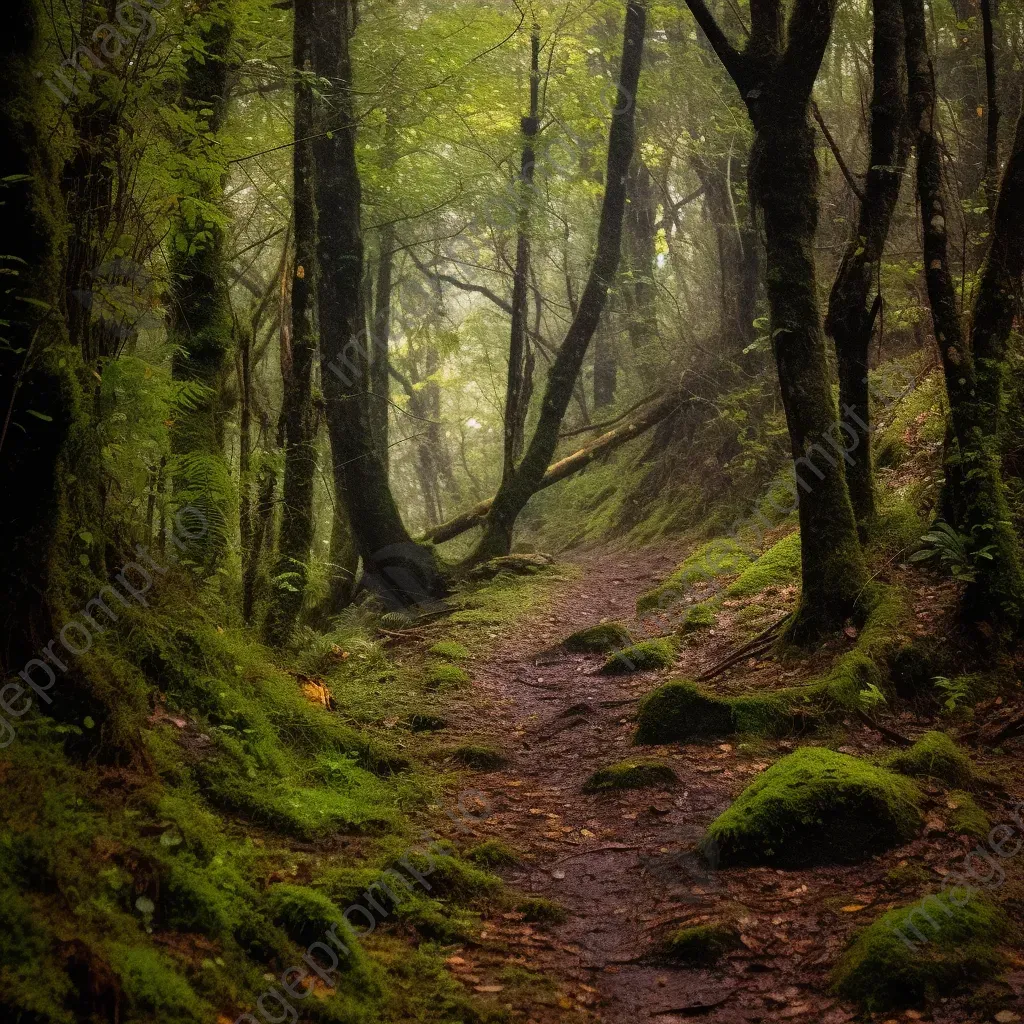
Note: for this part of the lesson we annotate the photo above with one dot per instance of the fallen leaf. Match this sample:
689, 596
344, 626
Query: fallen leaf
852, 908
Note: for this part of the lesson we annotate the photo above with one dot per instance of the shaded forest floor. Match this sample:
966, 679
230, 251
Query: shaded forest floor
621, 865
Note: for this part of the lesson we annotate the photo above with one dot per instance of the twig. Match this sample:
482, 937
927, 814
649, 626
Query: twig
850, 180
889, 734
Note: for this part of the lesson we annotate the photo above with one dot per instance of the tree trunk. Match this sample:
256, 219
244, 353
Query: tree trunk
519, 389
518, 488
295, 538
775, 82
199, 323
400, 571
639, 257
997, 590
851, 316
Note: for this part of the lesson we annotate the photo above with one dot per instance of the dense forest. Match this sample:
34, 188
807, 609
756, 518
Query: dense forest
512, 511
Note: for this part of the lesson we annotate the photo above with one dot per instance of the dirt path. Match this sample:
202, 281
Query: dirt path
620, 863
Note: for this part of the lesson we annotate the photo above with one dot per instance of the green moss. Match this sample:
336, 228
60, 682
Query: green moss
680, 711
966, 817
908, 875
720, 557
779, 566
935, 756
440, 675
449, 649
600, 639
630, 775
493, 853
540, 910
480, 756
644, 656
815, 806
702, 944
307, 915
699, 616
929, 949
152, 984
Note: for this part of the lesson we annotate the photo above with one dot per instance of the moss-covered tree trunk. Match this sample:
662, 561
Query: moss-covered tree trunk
517, 488
399, 570
199, 323
997, 590
851, 316
775, 80
295, 538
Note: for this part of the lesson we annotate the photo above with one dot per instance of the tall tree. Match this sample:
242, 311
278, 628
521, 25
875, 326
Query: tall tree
851, 316
519, 486
295, 537
972, 363
775, 74
199, 322
397, 568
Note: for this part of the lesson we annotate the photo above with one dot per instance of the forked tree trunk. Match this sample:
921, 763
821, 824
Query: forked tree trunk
997, 590
400, 571
295, 537
517, 489
851, 316
775, 82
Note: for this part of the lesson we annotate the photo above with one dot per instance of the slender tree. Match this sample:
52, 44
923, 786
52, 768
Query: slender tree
851, 311
775, 74
295, 537
400, 570
972, 362
519, 486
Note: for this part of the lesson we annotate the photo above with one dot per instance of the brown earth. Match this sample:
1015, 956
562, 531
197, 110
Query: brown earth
622, 865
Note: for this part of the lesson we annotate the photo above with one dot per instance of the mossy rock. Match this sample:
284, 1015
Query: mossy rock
443, 676
515, 565
631, 775
480, 756
966, 817
912, 668
600, 639
940, 945
679, 711
493, 853
151, 984
425, 722
699, 616
815, 807
934, 756
716, 558
539, 910
307, 915
779, 566
702, 944
451, 650
645, 656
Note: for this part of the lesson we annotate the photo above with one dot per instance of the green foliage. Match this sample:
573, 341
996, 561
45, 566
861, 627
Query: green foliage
152, 984
493, 853
634, 774
940, 945
958, 553
600, 639
440, 675
812, 807
935, 756
779, 566
699, 616
645, 656
702, 944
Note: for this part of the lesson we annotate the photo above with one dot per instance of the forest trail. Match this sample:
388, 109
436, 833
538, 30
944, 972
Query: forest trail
620, 863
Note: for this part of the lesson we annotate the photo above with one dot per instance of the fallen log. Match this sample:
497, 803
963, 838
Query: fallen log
566, 467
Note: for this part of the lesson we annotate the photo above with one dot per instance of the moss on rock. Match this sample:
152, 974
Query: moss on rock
680, 711
966, 817
929, 949
699, 616
450, 650
630, 775
539, 910
779, 566
934, 756
702, 944
493, 853
600, 639
642, 657
722, 556
812, 807
442, 676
